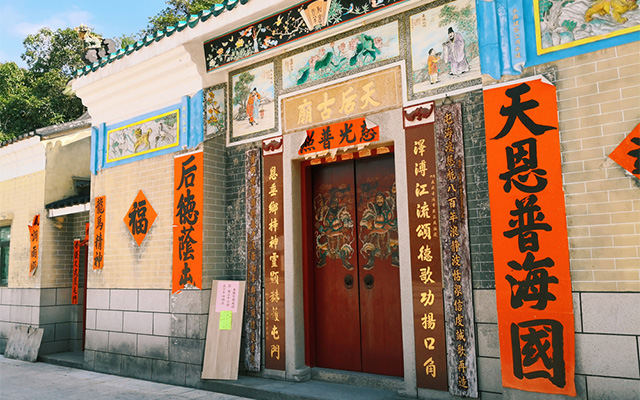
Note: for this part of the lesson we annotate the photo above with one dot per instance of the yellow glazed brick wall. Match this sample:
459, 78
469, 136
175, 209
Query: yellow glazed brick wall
598, 106
127, 265
24, 198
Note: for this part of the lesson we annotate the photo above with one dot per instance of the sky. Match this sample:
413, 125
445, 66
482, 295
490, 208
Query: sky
111, 18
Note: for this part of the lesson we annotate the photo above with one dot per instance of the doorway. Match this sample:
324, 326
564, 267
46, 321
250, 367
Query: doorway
354, 277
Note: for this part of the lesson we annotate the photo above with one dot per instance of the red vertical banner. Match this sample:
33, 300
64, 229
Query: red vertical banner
187, 221
529, 233
34, 244
273, 214
98, 231
426, 271
75, 279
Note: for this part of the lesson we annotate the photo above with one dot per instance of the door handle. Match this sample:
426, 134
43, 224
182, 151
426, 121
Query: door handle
368, 281
348, 281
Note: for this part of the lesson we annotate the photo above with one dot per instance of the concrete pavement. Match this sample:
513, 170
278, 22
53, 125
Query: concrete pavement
24, 380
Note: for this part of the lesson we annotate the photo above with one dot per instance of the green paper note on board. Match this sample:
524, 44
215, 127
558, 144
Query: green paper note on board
225, 320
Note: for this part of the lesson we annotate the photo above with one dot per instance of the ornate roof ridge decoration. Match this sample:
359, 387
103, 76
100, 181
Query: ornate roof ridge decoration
191, 22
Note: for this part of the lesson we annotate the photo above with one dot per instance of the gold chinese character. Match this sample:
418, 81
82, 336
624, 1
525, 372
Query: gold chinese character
453, 231
448, 147
425, 275
273, 190
459, 320
448, 132
421, 168
275, 349
422, 210
455, 260
428, 322
452, 202
462, 352
273, 242
274, 296
274, 277
348, 101
462, 382
325, 106
427, 298
273, 224
453, 216
274, 332
425, 253
430, 367
275, 314
457, 276
460, 335
419, 147
424, 231
448, 118
429, 343
366, 98
458, 305
273, 207
274, 259
457, 290
273, 173
451, 174
421, 189
305, 114
455, 246
450, 161
462, 366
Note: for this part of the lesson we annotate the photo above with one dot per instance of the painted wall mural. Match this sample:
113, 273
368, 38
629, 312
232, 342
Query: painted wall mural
215, 110
444, 45
253, 101
568, 23
341, 55
146, 136
291, 24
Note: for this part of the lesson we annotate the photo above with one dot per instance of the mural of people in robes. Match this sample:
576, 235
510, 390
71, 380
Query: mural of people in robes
454, 53
253, 106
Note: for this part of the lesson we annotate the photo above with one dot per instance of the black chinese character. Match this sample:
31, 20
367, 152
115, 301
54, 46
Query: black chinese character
517, 110
185, 243
366, 134
326, 138
100, 205
137, 218
522, 160
187, 209
188, 174
635, 154
528, 220
344, 134
308, 143
538, 351
97, 262
186, 277
535, 286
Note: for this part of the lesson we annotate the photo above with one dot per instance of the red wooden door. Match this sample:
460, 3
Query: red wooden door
356, 275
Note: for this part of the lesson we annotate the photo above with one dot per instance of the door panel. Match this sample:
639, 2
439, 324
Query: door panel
336, 303
381, 323
357, 282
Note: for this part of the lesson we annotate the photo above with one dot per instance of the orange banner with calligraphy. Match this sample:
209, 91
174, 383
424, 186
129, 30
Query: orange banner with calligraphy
273, 214
188, 206
98, 231
529, 233
34, 244
343, 134
426, 271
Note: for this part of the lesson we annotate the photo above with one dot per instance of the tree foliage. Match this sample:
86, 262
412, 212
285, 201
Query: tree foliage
176, 11
59, 50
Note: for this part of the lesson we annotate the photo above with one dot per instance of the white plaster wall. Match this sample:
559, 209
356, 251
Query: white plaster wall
21, 158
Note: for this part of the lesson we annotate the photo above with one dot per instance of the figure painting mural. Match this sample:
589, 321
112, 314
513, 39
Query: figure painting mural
334, 226
253, 101
151, 134
342, 55
215, 110
378, 225
563, 24
444, 46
